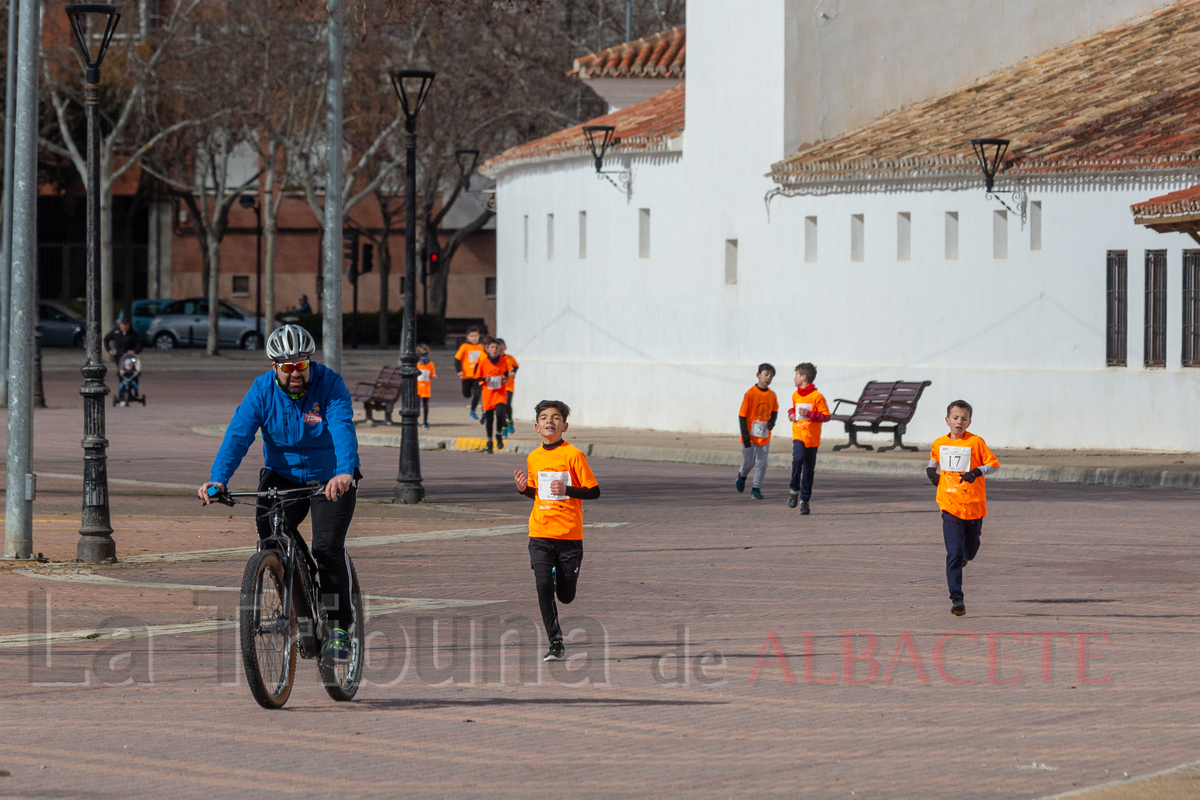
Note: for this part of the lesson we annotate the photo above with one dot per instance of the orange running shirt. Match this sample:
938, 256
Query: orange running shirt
468, 355
802, 429
557, 517
493, 377
425, 374
956, 456
511, 365
757, 407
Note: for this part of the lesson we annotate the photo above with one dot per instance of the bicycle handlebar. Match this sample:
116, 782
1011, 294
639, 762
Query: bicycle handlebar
227, 497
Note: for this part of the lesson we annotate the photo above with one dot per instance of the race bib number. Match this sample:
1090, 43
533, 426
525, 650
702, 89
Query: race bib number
495, 381
759, 429
955, 459
423, 376
802, 410
474, 355
544, 481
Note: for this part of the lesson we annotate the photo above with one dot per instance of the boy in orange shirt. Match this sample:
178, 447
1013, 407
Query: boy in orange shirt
757, 417
558, 482
426, 371
963, 461
809, 410
513, 366
492, 373
468, 355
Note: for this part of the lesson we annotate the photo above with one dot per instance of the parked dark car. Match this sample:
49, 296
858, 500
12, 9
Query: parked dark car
184, 323
146, 310
61, 327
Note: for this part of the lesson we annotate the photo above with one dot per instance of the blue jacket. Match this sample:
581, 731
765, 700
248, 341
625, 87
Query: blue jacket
305, 440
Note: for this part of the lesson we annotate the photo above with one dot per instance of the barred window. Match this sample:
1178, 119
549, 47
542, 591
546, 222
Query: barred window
1191, 308
1156, 309
1118, 314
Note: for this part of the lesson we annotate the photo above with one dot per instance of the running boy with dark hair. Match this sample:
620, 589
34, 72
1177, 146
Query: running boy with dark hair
492, 373
426, 372
809, 410
757, 417
963, 459
513, 366
558, 482
468, 355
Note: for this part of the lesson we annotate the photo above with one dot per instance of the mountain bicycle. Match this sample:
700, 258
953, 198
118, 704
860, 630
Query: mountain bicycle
279, 615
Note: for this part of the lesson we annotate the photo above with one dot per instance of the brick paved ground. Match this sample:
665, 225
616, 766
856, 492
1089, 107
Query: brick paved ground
693, 554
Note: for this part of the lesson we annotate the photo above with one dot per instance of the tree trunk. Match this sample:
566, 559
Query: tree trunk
270, 233
214, 281
385, 270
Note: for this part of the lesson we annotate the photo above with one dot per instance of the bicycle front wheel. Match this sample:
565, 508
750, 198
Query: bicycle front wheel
341, 679
268, 631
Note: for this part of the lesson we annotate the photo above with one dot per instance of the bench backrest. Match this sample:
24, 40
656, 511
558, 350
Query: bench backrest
874, 399
903, 401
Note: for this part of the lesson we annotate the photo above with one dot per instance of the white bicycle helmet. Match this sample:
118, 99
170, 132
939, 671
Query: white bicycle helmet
290, 341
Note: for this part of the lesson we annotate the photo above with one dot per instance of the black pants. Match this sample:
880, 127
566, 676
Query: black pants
555, 565
472, 391
804, 464
962, 544
500, 415
425, 408
330, 521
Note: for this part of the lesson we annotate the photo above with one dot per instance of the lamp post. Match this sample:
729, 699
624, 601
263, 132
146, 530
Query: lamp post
467, 159
96, 544
411, 86
250, 201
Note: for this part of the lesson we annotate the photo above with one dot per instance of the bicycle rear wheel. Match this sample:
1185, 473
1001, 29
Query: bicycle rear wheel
342, 679
268, 631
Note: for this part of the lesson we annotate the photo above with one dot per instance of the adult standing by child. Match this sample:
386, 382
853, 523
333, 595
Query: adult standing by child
122, 339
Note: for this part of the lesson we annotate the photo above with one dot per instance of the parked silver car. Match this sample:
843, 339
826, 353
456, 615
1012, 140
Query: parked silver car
184, 323
61, 327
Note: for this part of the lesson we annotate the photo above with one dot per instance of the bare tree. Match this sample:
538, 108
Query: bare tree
130, 72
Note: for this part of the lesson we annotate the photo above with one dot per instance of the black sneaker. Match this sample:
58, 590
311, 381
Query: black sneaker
556, 651
804, 508
489, 446
793, 499
741, 483
499, 442
958, 607
756, 493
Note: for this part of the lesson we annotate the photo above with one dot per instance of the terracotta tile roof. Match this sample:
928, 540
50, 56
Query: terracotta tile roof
658, 56
645, 126
1177, 211
1122, 101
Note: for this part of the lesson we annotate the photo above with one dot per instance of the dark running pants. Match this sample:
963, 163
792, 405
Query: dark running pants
330, 522
545, 555
498, 416
804, 464
425, 408
962, 544
472, 391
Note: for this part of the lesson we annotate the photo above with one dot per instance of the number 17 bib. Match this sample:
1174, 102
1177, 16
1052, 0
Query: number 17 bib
955, 459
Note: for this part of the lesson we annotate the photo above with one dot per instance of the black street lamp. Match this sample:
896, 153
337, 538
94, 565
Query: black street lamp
250, 201
96, 543
990, 153
412, 86
599, 139
467, 159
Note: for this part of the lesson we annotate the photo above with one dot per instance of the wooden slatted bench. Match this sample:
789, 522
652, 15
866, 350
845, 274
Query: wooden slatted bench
882, 407
382, 395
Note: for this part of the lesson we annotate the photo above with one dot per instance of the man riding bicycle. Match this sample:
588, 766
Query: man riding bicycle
306, 417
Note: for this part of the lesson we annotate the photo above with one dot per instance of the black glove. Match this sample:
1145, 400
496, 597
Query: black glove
933, 475
969, 477
745, 444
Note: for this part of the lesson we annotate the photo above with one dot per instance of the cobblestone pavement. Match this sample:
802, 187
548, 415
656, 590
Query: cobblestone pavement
712, 637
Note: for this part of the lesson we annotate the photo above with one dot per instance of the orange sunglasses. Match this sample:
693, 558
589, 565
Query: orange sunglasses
295, 366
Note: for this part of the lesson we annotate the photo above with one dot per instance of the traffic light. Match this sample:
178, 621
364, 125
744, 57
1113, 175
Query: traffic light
435, 259
368, 258
350, 253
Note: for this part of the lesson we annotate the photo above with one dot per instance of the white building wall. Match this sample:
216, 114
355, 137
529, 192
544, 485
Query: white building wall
664, 343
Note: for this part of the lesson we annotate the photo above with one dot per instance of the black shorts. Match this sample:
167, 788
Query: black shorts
566, 554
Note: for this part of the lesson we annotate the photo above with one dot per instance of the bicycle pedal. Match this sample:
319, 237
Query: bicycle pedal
308, 646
